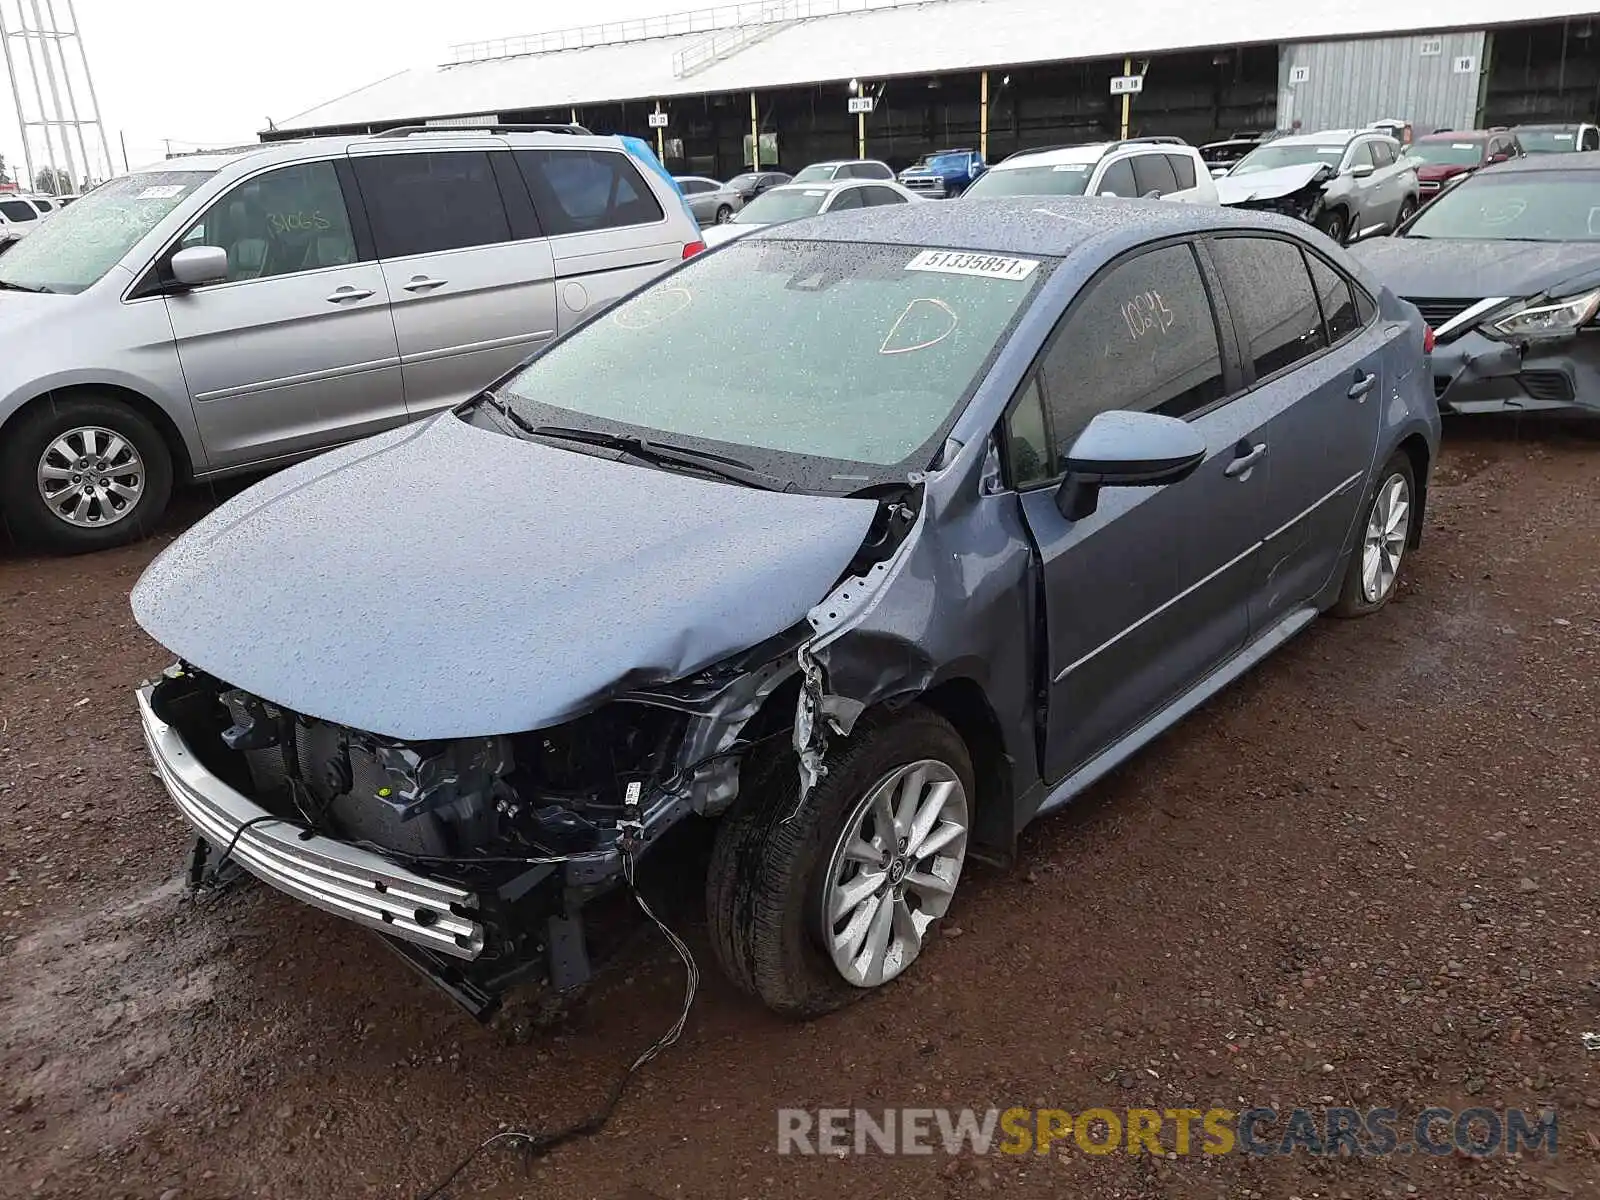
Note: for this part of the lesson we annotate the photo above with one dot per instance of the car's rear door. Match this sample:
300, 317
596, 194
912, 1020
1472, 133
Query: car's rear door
1316, 376
468, 271
1150, 593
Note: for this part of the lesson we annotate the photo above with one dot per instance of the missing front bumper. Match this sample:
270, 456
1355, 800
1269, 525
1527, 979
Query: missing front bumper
340, 879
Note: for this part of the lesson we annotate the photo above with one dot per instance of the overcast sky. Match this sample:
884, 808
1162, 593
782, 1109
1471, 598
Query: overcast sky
210, 72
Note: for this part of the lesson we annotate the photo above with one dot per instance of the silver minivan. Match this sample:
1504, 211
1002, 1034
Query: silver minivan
212, 314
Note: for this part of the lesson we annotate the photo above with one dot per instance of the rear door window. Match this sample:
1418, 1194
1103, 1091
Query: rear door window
1337, 298
1153, 173
1118, 180
874, 195
581, 191
1182, 169
1272, 301
428, 202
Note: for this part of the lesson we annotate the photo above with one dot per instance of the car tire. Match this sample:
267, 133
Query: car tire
779, 864
130, 486
724, 214
1382, 539
1335, 224
1408, 209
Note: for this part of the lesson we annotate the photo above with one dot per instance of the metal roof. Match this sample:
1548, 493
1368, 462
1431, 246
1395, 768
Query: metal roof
779, 43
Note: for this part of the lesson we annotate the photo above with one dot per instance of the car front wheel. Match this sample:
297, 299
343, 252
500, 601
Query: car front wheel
83, 472
812, 904
724, 214
1335, 224
1385, 534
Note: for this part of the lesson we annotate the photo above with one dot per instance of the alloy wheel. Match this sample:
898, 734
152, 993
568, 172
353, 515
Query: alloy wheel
1384, 543
893, 871
90, 477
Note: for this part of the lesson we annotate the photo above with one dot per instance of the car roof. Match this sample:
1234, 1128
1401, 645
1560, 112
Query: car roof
1053, 226
1456, 135
1324, 136
301, 149
1089, 152
1584, 160
823, 185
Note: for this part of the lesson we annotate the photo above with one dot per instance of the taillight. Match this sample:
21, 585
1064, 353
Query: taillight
690, 249
1427, 339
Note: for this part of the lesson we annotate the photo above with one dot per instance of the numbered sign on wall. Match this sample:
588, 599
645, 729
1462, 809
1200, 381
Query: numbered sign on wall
1127, 85
658, 120
1465, 65
1299, 74
861, 104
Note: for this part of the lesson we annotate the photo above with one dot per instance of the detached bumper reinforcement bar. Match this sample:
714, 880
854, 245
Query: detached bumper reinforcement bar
343, 880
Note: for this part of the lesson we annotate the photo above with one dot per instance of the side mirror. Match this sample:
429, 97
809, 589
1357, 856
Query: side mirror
1499, 158
200, 265
1107, 192
1152, 194
1126, 449
1362, 170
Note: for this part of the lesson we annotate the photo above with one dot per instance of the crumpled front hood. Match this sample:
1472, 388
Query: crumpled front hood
443, 580
1267, 185
1472, 270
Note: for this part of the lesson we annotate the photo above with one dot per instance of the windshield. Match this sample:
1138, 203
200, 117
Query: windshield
1534, 206
782, 206
1270, 158
79, 244
816, 172
829, 365
1446, 154
1062, 179
946, 162
1547, 141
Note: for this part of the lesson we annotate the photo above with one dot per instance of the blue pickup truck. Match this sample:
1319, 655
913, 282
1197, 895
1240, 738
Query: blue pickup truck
944, 174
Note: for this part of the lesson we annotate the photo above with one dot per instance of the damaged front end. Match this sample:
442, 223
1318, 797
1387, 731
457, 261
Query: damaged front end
485, 862
1303, 199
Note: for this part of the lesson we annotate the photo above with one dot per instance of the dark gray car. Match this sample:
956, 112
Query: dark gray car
1505, 266
1020, 485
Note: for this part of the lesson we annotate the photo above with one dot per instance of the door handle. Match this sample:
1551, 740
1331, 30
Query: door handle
340, 295
423, 283
1362, 385
1244, 462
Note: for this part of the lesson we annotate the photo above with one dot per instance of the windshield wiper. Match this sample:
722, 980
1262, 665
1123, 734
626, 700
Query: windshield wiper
662, 454
7, 285
503, 408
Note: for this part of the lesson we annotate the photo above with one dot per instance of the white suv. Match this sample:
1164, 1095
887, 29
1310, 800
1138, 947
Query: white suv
1164, 168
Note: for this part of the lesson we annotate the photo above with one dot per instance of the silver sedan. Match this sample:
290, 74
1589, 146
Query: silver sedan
711, 202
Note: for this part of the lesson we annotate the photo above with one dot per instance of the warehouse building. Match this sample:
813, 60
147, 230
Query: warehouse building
787, 82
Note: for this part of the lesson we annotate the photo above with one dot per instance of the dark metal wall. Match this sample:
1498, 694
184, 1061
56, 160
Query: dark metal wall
1537, 72
1548, 72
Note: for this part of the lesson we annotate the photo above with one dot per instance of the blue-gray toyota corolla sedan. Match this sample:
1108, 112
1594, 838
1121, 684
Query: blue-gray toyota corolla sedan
871, 537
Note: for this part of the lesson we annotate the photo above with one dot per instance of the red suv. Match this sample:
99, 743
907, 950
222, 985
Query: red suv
1443, 157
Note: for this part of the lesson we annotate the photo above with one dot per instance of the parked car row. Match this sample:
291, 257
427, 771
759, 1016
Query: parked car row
21, 213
